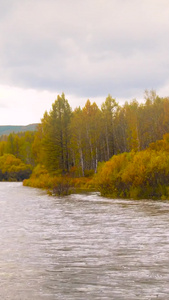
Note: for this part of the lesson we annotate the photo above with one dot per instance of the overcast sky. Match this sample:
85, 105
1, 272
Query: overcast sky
86, 49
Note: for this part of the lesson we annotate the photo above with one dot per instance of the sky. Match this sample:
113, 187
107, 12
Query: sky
86, 49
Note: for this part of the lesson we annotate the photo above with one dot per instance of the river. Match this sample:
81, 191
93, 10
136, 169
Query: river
81, 247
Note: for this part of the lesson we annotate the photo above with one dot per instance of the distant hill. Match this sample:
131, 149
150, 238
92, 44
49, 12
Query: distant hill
7, 129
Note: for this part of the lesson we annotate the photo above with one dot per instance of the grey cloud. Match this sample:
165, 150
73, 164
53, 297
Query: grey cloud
88, 48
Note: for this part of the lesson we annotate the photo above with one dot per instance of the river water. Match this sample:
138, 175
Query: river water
81, 246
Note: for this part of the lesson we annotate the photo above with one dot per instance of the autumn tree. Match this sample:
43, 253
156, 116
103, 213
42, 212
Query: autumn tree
78, 144
132, 119
86, 137
92, 118
37, 150
13, 169
109, 110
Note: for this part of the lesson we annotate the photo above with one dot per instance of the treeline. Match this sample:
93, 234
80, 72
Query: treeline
13, 169
16, 156
20, 145
75, 141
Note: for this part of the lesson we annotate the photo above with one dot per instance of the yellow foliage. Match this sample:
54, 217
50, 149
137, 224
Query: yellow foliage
136, 174
12, 168
41, 178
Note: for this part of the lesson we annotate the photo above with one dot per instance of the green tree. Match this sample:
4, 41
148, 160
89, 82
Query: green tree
56, 136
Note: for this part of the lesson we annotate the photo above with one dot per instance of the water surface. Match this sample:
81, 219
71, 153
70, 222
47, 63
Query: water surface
81, 246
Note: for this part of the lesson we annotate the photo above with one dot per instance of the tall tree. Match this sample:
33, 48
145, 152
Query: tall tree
92, 121
132, 111
78, 140
56, 136
109, 111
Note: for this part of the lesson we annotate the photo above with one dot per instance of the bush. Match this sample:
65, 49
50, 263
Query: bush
143, 174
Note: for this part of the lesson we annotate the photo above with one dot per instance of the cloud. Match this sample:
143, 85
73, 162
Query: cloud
85, 48
23, 106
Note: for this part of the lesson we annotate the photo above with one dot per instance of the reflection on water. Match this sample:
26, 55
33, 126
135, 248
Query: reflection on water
81, 247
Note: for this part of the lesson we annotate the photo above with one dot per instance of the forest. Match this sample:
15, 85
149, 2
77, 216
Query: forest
120, 150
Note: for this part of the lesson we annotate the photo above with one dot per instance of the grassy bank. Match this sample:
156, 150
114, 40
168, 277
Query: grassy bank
57, 184
137, 175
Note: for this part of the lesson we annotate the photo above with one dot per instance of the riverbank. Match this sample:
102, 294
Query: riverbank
57, 184
135, 175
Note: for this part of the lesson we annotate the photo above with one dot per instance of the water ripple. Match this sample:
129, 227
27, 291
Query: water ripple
81, 246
